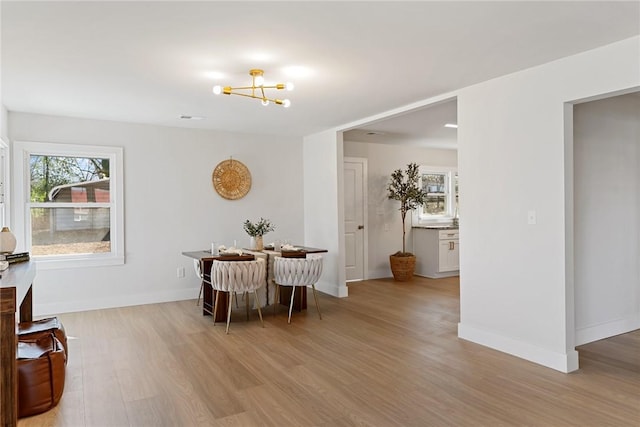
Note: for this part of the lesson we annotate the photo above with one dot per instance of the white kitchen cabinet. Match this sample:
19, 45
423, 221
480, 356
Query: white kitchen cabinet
437, 251
449, 255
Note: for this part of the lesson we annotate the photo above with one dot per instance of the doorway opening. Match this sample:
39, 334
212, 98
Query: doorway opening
421, 136
606, 212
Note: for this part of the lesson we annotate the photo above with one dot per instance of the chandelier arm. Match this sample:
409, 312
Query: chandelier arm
278, 86
255, 97
244, 87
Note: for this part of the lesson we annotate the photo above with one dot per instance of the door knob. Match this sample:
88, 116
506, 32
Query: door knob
361, 227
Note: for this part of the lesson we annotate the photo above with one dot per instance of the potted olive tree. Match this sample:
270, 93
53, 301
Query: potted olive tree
404, 187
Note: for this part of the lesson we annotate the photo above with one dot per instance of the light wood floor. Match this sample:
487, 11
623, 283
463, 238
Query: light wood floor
386, 356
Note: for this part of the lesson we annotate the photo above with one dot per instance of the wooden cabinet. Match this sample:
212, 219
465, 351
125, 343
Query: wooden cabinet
15, 298
437, 251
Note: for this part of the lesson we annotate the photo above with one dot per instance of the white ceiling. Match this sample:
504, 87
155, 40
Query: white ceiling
151, 62
423, 127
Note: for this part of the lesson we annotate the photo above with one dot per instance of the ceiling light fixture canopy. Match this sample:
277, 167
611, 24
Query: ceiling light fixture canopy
256, 90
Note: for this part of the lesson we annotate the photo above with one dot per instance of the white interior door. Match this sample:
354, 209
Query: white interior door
355, 217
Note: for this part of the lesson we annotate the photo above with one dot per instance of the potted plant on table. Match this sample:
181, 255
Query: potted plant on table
404, 187
257, 230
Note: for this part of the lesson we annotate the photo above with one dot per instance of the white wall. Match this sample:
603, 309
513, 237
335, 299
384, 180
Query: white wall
170, 206
516, 295
323, 207
4, 120
5, 140
3, 110
607, 216
384, 222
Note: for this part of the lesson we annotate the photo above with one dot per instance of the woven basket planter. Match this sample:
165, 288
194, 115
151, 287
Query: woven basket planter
402, 267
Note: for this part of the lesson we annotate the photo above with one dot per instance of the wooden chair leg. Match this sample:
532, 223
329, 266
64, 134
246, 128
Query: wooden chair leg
276, 299
215, 306
293, 294
315, 298
258, 304
229, 311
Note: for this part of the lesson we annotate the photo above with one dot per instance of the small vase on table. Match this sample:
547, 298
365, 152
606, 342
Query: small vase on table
7, 241
259, 243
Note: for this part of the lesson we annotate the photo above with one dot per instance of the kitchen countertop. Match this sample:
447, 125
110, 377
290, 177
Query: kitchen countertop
437, 227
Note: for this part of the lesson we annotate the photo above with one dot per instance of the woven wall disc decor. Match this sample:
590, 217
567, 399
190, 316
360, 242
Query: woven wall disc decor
231, 179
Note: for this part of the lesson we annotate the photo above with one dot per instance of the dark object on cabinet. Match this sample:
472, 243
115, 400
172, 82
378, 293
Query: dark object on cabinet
30, 331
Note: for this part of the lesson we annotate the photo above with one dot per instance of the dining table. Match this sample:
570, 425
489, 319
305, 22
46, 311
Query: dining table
266, 293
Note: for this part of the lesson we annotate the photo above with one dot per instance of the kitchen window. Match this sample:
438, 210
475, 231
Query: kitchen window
441, 187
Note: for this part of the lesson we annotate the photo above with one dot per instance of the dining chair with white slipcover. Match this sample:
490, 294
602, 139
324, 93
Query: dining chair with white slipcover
297, 272
237, 276
198, 269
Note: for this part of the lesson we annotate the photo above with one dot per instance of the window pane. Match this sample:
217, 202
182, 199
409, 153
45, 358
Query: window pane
455, 191
435, 185
69, 179
63, 231
435, 205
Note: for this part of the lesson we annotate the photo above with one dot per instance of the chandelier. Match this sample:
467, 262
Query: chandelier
256, 90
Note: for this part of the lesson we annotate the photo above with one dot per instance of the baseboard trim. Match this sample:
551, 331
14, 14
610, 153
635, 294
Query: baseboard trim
114, 302
333, 289
558, 361
379, 274
439, 275
608, 329
48, 309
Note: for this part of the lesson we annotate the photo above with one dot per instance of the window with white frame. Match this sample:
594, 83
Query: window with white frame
71, 197
3, 183
441, 187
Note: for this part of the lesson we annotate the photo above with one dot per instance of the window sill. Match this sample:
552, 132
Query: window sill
434, 222
51, 263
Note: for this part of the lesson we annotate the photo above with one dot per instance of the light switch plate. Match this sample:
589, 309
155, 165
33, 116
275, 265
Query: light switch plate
531, 218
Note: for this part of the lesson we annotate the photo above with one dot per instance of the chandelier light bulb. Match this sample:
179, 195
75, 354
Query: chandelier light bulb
289, 86
217, 89
259, 81
265, 102
286, 103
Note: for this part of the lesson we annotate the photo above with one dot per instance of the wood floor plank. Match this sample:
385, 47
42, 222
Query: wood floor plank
387, 355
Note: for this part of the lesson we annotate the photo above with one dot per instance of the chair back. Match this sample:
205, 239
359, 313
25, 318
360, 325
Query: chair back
196, 267
238, 276
298, 271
